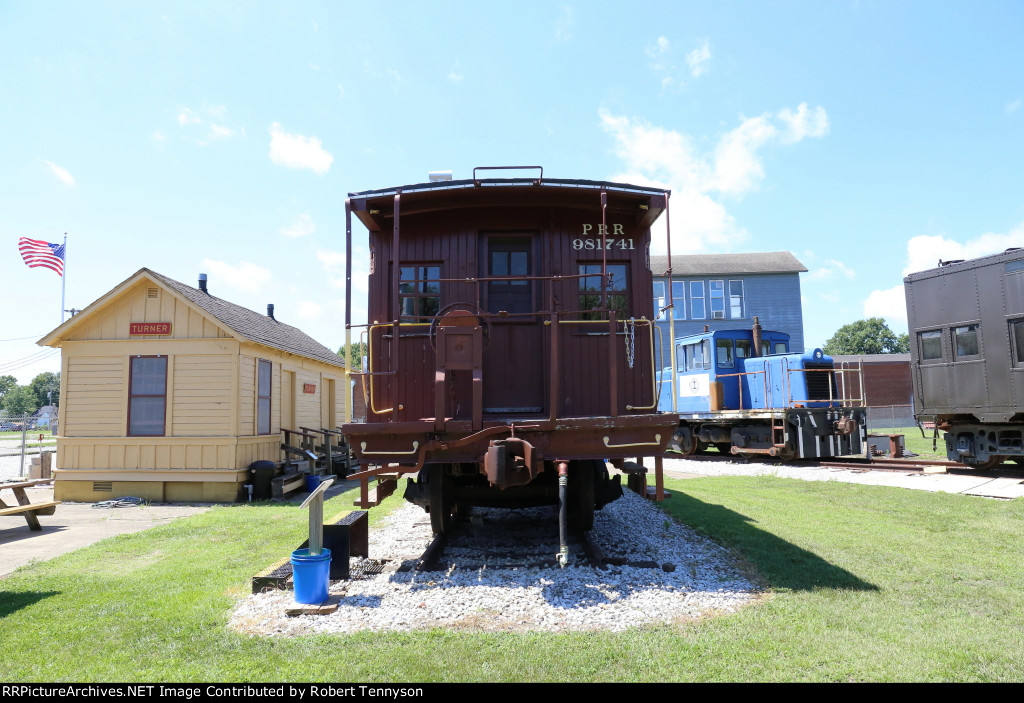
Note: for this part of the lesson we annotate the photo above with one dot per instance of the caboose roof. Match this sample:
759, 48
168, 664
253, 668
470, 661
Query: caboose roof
723, 264
373, 207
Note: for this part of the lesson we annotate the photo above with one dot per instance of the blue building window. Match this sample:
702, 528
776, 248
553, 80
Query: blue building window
659, 300
735, 299
697, 310
717, 300
679, 299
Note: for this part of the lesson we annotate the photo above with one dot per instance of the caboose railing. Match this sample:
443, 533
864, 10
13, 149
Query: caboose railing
555, 321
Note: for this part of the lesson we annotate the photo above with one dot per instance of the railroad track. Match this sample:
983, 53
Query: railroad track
513, 539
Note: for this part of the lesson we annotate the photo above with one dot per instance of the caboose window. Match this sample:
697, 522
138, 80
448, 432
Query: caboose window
509, 256
590, 291
966, 341
735, 299
419, 292
929, 345
717, 289
697, 310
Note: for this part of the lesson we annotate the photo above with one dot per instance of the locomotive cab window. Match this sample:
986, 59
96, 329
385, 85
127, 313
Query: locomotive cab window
419, 292
1017, 337
723, 347
698, 355
929, 345
743, 348
965, 342
590, 291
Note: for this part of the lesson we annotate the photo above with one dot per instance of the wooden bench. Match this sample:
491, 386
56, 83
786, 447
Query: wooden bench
29, 510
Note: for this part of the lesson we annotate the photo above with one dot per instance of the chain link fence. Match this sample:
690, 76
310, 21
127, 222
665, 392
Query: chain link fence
23, 437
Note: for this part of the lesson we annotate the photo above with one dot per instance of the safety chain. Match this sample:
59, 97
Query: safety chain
630, 335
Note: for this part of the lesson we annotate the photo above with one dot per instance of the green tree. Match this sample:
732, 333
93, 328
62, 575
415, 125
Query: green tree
354, 361
46, 386
870, 336
7, 383
19, 401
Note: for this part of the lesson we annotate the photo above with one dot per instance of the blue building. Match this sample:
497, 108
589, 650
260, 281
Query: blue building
726, 291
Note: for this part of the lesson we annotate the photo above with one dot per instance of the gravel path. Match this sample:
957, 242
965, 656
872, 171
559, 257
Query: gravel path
689, 577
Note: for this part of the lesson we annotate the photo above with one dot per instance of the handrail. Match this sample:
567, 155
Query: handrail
655, 443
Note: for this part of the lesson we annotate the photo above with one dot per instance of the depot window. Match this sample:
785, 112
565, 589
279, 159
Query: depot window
147, 396
965, 342
263, 386
590, 291
419, 292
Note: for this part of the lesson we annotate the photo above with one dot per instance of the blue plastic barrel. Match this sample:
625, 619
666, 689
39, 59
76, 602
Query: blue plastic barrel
312, 482
311, 575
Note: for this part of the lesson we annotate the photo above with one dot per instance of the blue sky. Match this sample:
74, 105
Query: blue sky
870, 139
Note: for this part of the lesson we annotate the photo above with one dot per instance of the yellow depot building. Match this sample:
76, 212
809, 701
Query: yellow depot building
170, 393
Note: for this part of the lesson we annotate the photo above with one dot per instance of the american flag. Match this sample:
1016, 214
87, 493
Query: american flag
36, 252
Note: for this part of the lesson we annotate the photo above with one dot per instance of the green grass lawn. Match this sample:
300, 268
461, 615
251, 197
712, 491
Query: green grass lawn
863, 584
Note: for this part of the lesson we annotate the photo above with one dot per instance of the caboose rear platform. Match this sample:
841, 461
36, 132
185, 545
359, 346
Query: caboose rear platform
510, 348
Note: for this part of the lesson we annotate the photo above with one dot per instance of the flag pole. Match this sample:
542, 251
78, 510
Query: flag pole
64, 278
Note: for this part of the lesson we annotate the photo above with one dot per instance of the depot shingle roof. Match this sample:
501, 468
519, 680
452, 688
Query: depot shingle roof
243, 323
720, 264
252, 325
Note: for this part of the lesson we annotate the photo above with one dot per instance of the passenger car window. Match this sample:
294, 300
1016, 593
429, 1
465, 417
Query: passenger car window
965, 341
929, 345
1017, 335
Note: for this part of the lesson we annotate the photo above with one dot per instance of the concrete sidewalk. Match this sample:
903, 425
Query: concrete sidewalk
75, 525
1004, 488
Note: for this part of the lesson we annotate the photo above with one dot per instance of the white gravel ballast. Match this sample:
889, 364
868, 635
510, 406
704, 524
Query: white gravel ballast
669, 574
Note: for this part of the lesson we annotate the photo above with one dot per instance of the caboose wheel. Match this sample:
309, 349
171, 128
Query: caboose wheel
992, 461
441, 488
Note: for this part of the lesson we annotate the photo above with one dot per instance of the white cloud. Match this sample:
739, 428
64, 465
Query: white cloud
61, 174
698, 59
924, 252
309, 309
564, 24
220, 132
1013, 107
297, 151
243, 275
803, 123
456, 75
186, 116
302, 226
831, 269
890, 304
656, 156
341, 90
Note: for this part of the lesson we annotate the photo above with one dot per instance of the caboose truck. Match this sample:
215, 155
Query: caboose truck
966, 323
745, 393
510, 348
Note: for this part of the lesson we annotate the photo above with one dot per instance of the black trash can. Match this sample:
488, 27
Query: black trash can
262, 473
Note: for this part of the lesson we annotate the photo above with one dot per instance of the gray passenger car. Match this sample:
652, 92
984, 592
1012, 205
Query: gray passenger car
966, 321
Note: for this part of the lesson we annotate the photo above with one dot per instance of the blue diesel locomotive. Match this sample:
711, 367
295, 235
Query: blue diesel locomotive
744, 393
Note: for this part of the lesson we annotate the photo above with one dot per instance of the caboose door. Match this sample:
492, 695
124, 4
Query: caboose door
514, 357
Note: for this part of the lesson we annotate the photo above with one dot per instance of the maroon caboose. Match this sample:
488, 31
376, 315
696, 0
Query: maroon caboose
509, 342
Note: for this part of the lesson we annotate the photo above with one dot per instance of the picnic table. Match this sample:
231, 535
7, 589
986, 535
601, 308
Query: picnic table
25, 507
